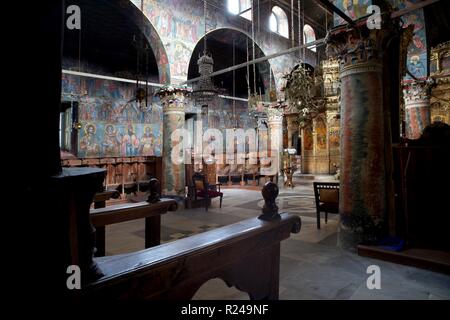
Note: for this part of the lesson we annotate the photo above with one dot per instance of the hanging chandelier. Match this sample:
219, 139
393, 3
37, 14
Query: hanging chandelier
204, 92
302, 91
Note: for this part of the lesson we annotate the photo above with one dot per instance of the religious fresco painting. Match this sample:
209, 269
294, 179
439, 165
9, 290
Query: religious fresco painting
308, 138
112, 125
180, 25
179, 30
334, 134
321, 134
355, 9
155, 41
417, 51
221, 117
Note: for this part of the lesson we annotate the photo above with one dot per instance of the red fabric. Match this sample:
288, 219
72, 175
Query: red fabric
211, 194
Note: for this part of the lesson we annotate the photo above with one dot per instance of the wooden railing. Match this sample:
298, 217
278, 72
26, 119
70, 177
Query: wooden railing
245, 255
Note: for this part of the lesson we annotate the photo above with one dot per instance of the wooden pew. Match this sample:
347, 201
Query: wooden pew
102, 217
100, 198
245, 255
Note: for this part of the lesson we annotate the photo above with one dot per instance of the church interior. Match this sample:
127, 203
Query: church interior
245, 149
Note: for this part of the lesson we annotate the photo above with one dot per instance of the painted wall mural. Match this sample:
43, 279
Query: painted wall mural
153, 37
353, 8
334, 134
112, 125
308, 141
221, 116
180, 25
321, 134
417, 61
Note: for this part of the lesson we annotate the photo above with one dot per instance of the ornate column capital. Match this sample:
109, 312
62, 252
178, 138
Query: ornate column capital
275, 115
357, 44
417, 91
173, 99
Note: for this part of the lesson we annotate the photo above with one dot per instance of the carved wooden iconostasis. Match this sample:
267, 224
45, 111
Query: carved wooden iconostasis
440, 72
320, 140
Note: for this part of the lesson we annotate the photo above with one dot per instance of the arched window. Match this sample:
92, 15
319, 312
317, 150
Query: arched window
241, 7
279, 22
309, 36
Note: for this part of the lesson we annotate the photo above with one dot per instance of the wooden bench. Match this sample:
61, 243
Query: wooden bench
245, 255
102, 217
100, 198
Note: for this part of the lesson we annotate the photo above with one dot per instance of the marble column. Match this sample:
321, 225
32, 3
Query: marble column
173, 101
417, 108
275, 117
362, 196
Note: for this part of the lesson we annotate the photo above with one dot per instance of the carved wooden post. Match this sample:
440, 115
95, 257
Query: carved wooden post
155, 191
73, 192
270, 210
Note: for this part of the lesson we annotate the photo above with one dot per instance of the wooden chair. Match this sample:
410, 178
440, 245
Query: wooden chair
327, 199
204, 190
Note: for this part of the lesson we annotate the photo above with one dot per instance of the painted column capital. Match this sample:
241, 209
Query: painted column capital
417, 91
173, 99
275, 116
357, 44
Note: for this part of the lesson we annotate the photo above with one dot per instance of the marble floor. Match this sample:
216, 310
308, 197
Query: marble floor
312, 266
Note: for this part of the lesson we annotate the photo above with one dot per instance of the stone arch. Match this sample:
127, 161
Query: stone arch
259, 50
150, 33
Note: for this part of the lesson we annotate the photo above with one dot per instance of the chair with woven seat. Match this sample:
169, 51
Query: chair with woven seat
205, 190
327, 199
